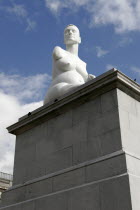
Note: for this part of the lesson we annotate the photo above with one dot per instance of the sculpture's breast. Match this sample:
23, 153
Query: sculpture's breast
65, 64
65, 70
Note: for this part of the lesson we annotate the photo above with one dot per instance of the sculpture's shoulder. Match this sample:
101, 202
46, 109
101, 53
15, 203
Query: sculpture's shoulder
57, 49
58, 53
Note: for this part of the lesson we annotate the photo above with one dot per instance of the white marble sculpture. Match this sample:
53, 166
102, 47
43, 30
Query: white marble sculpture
69, 71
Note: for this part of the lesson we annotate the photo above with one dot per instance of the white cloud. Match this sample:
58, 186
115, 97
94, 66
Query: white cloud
136, 69
124, 15
136, 72
14, 91
24, 88
20, 12
110, 66
125, 41
101, 52
10, 111
31, 25
56, 6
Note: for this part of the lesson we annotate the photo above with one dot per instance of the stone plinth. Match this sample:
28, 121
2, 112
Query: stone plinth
80, 152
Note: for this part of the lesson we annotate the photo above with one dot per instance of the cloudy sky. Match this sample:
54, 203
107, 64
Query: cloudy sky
29, 30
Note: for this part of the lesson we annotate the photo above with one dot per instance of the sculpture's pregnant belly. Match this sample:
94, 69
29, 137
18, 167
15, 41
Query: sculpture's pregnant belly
64, 83
71, 77
65, 77
65, 71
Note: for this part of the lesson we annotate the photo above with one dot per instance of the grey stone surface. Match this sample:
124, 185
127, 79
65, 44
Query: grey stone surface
110, 141
138, 107
126, 102
39, 188
129, 123
104, 83
56, 161
106, 168
91, 171
112, 193
115, 194
109, 101
26, 192
28, 206
107, 122
42, 165
133, 165
135, 191
69, 179
131, 142
129, 109
14, 196
54, 202
82, 152
86, 150
69, 138
87, 197
97, 146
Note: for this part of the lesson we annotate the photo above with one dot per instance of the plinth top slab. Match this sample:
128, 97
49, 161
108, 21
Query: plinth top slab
107, 81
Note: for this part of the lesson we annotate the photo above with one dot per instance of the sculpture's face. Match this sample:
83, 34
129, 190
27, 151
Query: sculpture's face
72, 35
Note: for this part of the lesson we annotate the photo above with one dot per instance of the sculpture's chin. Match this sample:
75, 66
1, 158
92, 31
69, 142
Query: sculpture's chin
71, 41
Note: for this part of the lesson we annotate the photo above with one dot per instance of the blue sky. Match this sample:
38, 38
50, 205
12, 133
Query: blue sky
30, 29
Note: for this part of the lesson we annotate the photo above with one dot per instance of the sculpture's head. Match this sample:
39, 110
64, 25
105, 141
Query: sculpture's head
72, 35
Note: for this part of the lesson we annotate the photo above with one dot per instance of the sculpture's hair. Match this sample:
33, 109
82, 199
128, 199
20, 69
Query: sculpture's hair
70, 25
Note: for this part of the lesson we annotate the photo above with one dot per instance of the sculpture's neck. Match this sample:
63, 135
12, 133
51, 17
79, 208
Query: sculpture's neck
72, 48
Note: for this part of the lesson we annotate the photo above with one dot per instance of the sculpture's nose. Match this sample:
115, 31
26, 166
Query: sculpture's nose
70, 31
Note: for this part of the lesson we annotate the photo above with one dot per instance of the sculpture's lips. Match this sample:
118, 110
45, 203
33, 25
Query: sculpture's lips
71, 37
